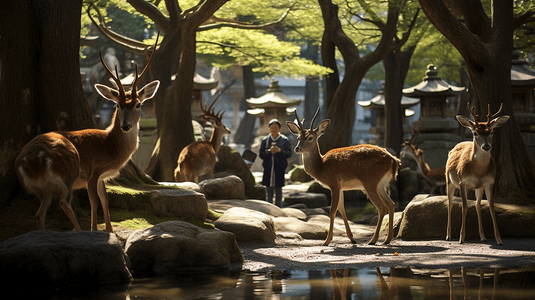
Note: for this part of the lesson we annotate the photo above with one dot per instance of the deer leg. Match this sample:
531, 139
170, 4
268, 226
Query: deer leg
450, 189
93, 200
41, 213
464, 193
335, 199
479, 196
67, 208
378, 203
390, 206
342, 210
101, 189
497, 235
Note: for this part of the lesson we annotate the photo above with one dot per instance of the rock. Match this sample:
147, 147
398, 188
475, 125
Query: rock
229, 187
307, 230
298, 174
296, 213
311, 200
426, 218
187, 185
177, 246
248, 225
179, 203
45, 259
230, 162
222, 206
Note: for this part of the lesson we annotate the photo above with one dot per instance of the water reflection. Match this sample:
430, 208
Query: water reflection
379, 283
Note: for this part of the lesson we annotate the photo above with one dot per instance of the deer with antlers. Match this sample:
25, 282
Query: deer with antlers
199, 158
57, 163
434, 176
363, 167
470, 166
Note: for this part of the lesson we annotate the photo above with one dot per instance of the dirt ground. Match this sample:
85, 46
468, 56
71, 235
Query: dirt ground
433, 254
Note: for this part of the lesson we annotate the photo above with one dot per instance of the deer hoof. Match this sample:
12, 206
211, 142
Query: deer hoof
484, 240
371, 243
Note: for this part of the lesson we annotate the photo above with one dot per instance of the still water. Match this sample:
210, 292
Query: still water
378, 283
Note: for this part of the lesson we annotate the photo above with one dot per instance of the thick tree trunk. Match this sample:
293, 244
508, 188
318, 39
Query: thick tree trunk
396, 65
40, 85
245, 132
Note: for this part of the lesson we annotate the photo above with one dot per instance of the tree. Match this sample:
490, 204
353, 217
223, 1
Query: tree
486, 45
198, 29
40, 89
340, 96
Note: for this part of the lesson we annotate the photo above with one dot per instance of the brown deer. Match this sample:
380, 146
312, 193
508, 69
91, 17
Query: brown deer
49, 163
199, 158
435, 176
363, 167
470, 166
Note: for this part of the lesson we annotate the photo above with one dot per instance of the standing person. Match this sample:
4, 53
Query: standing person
275, 150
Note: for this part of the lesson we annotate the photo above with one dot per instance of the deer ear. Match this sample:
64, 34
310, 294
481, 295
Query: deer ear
293, 127
148, 91
499, 121
465, 121
322, 127
107, 92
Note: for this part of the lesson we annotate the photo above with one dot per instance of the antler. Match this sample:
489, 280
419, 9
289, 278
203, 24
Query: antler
209, 113
298, 122
491, 117
138, 79
116, 79
314, 118
472, 112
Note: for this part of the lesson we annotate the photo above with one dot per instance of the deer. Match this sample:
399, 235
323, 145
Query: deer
63, 161
470, 165
362, 167
434, 176
199, 158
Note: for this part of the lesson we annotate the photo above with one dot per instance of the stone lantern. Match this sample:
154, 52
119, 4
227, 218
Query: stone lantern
378, 104
522, 89
272, 105
435, 128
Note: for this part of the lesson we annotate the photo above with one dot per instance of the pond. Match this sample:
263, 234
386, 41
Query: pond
379, 283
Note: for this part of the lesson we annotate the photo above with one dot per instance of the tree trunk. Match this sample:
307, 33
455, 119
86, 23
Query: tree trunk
396, 65
245, 132
487, 53
40, 84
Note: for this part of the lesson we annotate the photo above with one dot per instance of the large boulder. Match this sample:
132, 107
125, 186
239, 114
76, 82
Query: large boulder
426, 218
311, 200
230, 162
306, 230
248, 225
179, 203
229, 187
176, 246
45, 259
298, 174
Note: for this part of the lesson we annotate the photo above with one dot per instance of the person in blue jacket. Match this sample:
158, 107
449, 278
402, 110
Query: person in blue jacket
274, 151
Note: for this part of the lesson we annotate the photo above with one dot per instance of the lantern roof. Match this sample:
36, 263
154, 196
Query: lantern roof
432, 85
379, 101
521, 73
273, 98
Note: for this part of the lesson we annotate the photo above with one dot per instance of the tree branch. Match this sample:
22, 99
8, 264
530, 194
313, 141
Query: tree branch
232, 47
151, 11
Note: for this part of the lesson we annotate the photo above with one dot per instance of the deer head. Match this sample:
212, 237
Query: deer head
483, 131
214, 118
307, 138
129, 102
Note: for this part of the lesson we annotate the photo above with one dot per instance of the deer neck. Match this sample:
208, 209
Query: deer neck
480, 158
216, 139
313, 161
424, 167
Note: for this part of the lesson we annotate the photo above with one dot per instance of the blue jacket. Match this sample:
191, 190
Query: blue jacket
281, 159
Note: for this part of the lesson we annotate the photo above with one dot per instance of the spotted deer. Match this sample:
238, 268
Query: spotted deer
470, 166
362, 167
199, 158
58, 162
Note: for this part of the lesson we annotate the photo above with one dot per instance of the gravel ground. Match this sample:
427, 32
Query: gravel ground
434, 254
